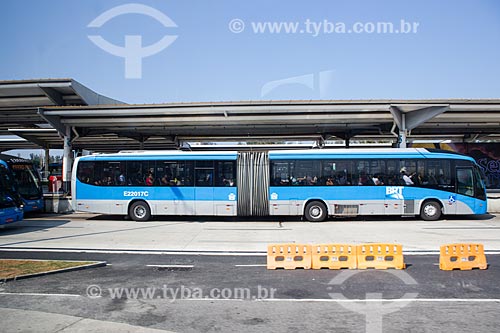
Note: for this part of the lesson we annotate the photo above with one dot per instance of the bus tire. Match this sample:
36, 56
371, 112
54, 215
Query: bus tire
316, 211
431, 211
139, 211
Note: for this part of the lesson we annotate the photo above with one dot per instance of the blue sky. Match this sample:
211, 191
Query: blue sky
454, 53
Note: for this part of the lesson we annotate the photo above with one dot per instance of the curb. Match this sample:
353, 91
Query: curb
62, 270
186, 252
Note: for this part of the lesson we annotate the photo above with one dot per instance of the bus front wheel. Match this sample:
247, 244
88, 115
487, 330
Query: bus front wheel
430, 211
139, 211
316, 211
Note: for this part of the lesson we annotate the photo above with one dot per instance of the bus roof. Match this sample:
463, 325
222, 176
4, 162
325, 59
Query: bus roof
366, 153
281, 154
14, 159
163, 155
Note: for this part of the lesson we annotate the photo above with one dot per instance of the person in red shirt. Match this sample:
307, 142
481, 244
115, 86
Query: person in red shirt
150, 180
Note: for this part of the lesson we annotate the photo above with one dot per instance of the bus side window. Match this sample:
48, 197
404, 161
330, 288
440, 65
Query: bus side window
465, 184
226, 173
204, 173
280, 173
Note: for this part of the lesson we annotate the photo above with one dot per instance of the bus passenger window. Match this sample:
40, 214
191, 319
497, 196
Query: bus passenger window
465, 184
226, 173
204, 173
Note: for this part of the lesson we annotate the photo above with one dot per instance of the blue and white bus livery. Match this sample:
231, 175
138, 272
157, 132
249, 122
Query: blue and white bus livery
315, 184
156, 183
321, 183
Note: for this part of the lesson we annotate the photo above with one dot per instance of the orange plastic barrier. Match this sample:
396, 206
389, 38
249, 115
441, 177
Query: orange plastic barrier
380, 256
334, 256
288, 256
462, 257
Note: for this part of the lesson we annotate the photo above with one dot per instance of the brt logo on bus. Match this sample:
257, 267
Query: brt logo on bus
394, 192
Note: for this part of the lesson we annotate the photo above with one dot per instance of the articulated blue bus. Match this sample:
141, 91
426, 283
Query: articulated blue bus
10, 202
27, 181
315, 184
156, 183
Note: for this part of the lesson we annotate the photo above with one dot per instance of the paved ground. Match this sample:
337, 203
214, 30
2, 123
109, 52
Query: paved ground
185, 293
84, 231
164, 286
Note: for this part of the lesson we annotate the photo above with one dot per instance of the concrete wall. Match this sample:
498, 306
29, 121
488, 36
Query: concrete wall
494, 202
57, 203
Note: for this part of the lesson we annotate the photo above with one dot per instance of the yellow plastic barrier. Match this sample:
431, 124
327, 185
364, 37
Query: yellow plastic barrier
288, 256
380, 256
334, 256
462, 257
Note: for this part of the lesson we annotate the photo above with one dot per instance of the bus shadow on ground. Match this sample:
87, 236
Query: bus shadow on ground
281, 219
27, 226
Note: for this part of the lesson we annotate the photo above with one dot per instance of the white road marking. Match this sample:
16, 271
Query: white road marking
40, 294
194, 253
421, 300
318, 300
254, 265
171, 266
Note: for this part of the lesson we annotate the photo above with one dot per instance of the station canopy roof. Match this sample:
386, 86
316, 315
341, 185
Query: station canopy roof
45, 109
169, 124
19, 103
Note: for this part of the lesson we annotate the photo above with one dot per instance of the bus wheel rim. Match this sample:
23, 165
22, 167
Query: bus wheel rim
315, 211
430, 210
140, 212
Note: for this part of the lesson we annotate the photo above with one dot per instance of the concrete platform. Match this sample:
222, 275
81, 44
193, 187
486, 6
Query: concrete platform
14, 320
99, 232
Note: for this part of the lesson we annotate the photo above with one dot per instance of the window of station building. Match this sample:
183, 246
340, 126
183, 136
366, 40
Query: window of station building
225, 173
204, 173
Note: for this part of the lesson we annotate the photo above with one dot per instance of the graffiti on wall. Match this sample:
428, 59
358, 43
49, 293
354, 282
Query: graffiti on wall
487, 156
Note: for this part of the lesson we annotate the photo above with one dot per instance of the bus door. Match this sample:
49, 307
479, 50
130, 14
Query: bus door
204, 188
464, 180
176, 187
394, 200
394, 189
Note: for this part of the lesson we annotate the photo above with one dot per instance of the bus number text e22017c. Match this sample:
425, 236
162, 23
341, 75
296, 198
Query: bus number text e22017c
135, 193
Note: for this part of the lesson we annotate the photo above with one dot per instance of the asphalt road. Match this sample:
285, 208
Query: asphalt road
200, 293
161, 276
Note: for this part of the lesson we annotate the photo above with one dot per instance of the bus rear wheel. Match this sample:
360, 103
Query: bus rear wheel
316, 211
430, 211
139, 211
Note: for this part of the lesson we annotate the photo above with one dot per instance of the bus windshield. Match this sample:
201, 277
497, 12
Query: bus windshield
7, 185
27, 180
5, 200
